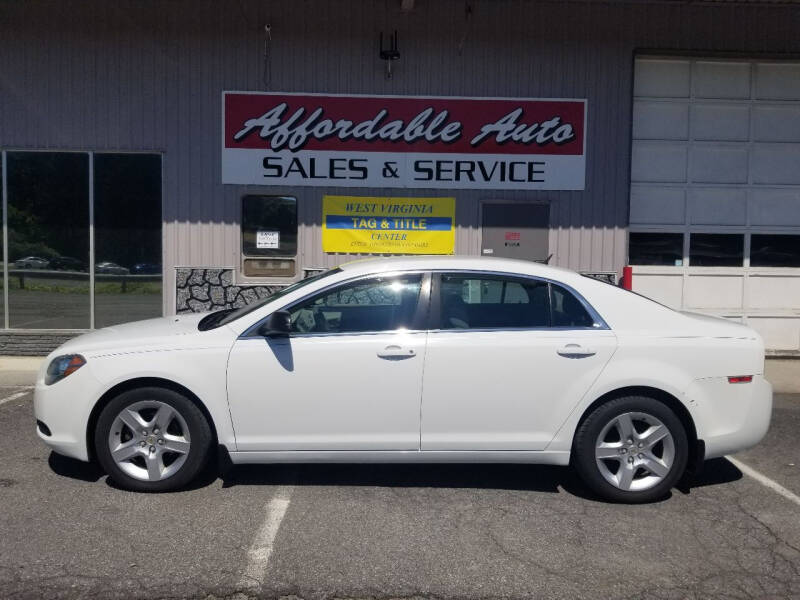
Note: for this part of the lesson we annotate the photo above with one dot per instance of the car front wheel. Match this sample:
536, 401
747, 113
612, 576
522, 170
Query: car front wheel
152, 440
631, 449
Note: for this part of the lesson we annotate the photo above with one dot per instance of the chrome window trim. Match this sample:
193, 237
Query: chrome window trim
513, 329
351, 333
248, 333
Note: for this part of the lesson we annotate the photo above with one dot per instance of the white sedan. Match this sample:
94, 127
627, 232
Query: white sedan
32, 262
110, 268
429, 359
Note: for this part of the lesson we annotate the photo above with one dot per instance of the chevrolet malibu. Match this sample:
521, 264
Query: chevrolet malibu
429, 359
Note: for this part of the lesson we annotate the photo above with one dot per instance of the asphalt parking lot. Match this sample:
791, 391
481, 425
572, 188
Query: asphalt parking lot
394, 531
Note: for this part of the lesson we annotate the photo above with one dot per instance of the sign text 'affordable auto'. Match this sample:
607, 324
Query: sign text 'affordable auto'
403, 142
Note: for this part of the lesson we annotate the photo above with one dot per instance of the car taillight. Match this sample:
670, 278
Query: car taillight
740, 379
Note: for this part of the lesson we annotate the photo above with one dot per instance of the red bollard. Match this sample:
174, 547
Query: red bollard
627, 277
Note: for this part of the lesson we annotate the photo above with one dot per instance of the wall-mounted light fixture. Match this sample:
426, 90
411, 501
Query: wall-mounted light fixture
390, 53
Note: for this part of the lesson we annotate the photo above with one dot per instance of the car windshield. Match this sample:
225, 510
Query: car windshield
223, 317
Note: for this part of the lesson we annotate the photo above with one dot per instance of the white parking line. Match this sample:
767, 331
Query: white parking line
12, 397
765, 481
261, 548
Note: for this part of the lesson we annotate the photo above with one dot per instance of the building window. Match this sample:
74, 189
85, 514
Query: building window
664, 249
2, 260
50, 263
774, 250
716, 249
269, 236
48, 240
127, 238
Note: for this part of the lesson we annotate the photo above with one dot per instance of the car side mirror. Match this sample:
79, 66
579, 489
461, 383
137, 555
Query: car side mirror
278, 324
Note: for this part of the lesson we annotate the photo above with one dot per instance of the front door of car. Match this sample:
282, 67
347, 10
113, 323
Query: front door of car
507, 360
348, 377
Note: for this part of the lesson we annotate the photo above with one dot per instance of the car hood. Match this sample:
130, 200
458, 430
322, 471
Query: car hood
157, 334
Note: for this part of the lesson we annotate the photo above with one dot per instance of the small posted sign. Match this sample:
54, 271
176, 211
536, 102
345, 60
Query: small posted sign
268, 240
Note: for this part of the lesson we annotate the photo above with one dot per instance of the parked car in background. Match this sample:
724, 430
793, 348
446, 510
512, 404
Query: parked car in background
110, 268
32, 262
146, 269
68, 263
424, 359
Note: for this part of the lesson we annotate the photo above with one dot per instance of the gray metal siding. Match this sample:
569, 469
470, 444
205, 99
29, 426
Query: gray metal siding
148, 76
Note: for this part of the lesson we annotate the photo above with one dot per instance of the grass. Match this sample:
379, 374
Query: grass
102, 287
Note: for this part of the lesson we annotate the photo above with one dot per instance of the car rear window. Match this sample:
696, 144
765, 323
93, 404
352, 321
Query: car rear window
477, 301
567, 310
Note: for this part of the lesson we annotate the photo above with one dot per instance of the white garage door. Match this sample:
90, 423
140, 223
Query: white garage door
715, 190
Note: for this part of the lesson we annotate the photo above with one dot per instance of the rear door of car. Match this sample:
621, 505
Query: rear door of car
507, 359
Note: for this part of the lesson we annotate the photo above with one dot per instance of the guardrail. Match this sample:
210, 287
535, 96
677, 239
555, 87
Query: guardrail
123, 279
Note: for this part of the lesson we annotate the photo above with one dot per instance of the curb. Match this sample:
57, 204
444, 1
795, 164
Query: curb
20, 363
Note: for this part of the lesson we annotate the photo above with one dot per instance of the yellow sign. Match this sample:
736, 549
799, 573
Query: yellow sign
359, 225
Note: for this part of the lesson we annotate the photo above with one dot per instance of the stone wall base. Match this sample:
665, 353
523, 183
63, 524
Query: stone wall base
27, 342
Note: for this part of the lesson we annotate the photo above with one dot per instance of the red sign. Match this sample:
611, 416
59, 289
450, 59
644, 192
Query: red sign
391, 141
512, 235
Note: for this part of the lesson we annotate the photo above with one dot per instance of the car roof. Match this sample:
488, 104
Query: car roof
459, 263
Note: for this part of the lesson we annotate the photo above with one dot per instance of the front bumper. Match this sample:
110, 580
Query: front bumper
64, 408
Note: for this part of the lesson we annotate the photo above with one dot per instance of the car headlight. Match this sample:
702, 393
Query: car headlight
62, 366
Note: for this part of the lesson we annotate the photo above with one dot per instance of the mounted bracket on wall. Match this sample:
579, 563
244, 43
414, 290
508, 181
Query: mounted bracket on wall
267, 73
389, 54
468, 9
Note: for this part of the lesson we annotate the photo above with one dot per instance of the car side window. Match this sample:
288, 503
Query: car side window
366, 305
567, 310
480, 302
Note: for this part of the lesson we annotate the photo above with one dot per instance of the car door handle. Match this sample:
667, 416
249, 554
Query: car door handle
396, 352
575, 351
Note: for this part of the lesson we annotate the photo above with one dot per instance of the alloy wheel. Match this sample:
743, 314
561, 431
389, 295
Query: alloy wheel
635, 451
149, 440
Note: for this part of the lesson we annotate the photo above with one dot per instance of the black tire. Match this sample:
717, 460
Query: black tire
586, 438
199, 432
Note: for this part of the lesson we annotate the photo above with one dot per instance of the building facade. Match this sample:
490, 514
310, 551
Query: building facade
118, 204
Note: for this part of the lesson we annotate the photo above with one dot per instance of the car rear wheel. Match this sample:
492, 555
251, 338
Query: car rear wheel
152, 440
631, 449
